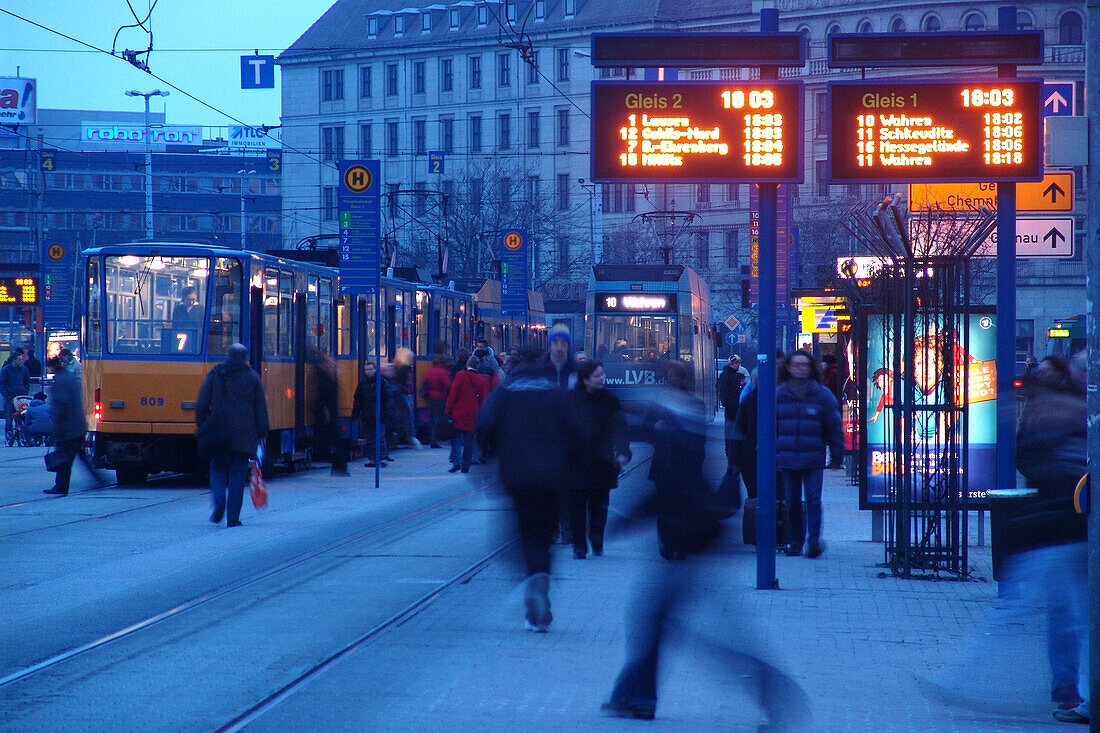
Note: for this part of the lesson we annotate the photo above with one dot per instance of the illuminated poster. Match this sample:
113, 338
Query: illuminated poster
935, 131
975, 375
696, 131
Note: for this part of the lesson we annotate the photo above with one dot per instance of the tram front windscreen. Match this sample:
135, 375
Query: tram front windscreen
634, 348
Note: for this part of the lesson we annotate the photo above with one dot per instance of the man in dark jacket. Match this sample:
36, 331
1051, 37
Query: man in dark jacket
525, 422
34, 366
232, 394
68, 428
807, 421
14, 381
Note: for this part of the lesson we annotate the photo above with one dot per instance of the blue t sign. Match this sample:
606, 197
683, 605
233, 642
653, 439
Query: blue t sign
257, 72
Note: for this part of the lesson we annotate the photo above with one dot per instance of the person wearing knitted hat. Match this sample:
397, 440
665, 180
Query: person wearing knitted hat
561, 370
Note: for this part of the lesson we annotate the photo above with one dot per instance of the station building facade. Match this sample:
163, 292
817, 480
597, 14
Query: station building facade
496, 93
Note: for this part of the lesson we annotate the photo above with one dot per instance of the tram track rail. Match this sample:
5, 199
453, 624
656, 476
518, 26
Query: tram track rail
234, 586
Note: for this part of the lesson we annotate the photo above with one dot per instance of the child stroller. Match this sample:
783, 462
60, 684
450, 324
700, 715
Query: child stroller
16, 435
32, 422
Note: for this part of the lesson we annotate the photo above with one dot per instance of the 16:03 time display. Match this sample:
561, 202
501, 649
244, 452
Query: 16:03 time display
988, 97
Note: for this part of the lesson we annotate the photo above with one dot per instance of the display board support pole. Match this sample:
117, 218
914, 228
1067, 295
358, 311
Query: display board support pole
1006, 304
765, 420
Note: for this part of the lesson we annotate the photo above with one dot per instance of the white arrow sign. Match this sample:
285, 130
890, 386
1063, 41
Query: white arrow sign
1055, 101
1045, 237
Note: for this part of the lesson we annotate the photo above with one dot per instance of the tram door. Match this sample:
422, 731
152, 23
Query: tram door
256, 329
363, 347
299, 367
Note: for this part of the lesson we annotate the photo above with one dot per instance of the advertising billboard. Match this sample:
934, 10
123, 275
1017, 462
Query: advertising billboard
933, 426
18, 101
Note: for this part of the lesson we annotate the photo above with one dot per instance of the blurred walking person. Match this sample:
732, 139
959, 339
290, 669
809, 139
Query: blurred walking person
742, 439
599, 455
525, 423
807, 422
730, 383
689, 524
468, 390
232, 396
437, 385
69, 428
326, 420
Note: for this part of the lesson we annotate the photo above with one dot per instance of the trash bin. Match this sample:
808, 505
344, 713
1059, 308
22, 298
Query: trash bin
1005, 505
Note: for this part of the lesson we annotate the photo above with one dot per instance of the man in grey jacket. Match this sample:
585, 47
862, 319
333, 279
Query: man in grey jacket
233, 395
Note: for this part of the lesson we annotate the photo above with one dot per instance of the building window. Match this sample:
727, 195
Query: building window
504, 131
418, 77
702, 249
364, 82
822, 168
328, 203
372, 27
475, 133
420, 207
399, 25
932, 24
426, 22
365, 145
504, 69
563, 127
563, 191
1070, 30
532, 191
732, 247
447, 135
1025, 339
533, 67
533, 129
540, 9
420, 137
821, 122
392, 136
476, 186
974, 22
897, 25
864, 27
475, 69
563, 253
563, 64
510, 13
482, 16
332, 85
702, 196
733, 192
456, 20
446, 75
1024, 21
332, 142
505, 190
570, 8
391, 80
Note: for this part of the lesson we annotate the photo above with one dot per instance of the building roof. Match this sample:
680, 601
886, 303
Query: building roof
343, 27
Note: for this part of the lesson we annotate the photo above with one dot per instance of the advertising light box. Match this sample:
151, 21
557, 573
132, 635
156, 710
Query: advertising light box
696, 131
962, 130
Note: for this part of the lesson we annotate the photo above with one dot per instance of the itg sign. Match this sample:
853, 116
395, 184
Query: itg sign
114, 134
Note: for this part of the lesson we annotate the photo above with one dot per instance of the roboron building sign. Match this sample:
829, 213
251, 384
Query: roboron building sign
963, 130
696, 131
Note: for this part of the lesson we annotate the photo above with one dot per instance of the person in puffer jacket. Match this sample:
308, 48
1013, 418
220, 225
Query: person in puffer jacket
807, 422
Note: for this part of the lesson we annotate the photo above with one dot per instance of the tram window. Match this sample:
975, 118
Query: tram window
313, 315
271, 311
324, 321
345, 312
632, 339
225, 319
93, 337
156, 305
286, 310
423, 309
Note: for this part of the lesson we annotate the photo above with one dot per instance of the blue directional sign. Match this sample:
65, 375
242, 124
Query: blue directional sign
513, 272
57, 284
435, 162
257, 72
360, 213
1058, 98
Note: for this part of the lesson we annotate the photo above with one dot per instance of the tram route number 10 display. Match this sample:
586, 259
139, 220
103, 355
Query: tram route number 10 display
961, 130
696, 131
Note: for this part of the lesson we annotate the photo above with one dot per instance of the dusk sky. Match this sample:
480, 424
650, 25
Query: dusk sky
197, 45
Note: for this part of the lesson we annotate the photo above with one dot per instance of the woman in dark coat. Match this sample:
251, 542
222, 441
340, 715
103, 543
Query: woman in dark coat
597, 458
364, 409
468, 391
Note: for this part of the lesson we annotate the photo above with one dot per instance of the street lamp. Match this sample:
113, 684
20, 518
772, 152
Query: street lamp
244, 174
148, 158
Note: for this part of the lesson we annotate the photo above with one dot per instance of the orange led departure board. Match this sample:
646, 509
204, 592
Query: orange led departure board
18, 290
696, 131
961, 130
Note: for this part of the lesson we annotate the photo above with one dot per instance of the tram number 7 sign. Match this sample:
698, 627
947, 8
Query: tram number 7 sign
964, 130
696, 131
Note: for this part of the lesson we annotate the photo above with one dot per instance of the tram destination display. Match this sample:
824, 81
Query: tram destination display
960, 130
18, 290
696, 131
